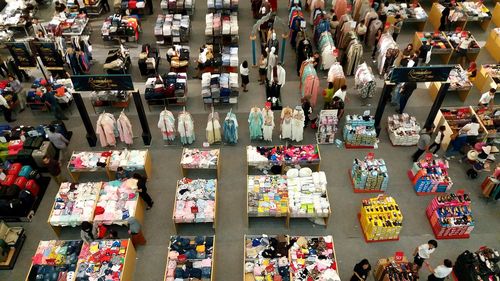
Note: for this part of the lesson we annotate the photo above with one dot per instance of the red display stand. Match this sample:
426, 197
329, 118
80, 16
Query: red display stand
356, 190
442, 237
411, 176
444, 232
372, 241
350, 146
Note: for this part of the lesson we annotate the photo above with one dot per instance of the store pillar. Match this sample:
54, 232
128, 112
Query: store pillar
254, 54
91, 136
386, 94
437, 104
146, 134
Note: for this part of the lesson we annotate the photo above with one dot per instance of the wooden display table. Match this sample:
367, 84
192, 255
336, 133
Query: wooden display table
493, 45
177, 223
485, 81
313, 164
435, 17
185, 168
380, 271
484, 22
488, 121
444, 53
210, 256
419, 23
147, 169
496, 15
462, 93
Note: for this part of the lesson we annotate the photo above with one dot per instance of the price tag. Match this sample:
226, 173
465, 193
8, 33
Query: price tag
370, 156
398, 256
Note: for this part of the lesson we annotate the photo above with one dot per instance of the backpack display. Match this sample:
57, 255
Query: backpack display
33, 187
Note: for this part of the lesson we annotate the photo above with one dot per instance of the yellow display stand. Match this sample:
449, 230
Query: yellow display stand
484, 82
444, 54
435, 86
484, 22
493, 46
496, 15
435, 18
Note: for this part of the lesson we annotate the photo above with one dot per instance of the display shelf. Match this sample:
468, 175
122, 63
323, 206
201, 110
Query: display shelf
373, 241
461, 90
397, 8
444, 53
14, 252
208, 164
432, 176
178, 222
411, 177
359, 132
350, 146
441, 237
327, 127
208, 253
356, 190
488, 77
493, 44
394, 267
403, 130
280, 187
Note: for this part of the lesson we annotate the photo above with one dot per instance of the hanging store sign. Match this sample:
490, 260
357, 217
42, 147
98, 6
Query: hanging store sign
21, 54
439, 73
51, 58
103, 82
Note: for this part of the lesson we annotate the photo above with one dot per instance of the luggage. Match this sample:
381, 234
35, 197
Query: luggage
9, 192
46, 149
33, 187
25, 171
9, 180
20, 182
26, 197
34, 175
14, 169
24, 154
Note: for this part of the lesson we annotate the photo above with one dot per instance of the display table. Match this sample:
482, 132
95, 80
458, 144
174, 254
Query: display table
219, 88
185, 7
359, 132
473, 49
401, 269
493, 44
257, 264
443, 47
199, 254
496, 15
109, 203
268, 157
488, 77
476, 13
325, 267
101, 258
459, 84
14, 238
132, 161
489, 119
435, 17
118, 27
450, 216
403, 129
430, 176
374, 229
267, 196
327, 126
171, 90
114, 99
11, 15
172, 29
369, 175
36, 99
410, 14
478, 265
195, 202
454, 119
200, 159
60, 256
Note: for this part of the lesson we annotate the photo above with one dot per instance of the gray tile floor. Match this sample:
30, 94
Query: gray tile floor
231, 227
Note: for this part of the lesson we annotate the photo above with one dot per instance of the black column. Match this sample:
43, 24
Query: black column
91, 136
437, 104
386, 94
146, 134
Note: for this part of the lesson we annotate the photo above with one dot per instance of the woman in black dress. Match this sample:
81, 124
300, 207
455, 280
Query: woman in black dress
143, 190
361, 271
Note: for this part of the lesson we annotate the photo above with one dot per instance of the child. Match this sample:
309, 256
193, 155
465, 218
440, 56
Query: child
244, 75
438, 140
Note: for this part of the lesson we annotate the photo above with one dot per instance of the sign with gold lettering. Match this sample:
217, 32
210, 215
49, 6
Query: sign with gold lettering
51, 58
438, 73
103, 82
21, 54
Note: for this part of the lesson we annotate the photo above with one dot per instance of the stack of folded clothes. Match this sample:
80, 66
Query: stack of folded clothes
75, 203
195, 201
133, 4
307, 193
266, 258
102, 260
170, 85
230, 56
267, 196
178, 6
117, 202
190, 258
130, 160
200, 159
313, 258
56, 259
88, 160
219, 88
172, 29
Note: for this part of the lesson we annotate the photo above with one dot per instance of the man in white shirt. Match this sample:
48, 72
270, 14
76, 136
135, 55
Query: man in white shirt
441, 271
423, 252
341, 93
487, 97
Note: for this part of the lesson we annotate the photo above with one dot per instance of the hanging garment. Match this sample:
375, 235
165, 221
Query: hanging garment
354, 56
309, 82
360, 8
166, 124
255, 123
230, 128
340, 8
286, 123
371, 34
326, 47
364, 81
125, 129
106, 129
268, 124
298, 121
213, 128
185, 127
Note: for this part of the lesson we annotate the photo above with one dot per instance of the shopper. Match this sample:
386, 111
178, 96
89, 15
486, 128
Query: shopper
88, 232
328, 93
112, 234
4, 71
54, 168
361, 270
58, 140
244, 72
487, 98
438, 140
396, 27
121, 174
341, 93
51, 101
423, 252
16, 87
463, 47
444, 20
263, 68
423, 144
458, 140
471, 129
377, 38
6, 106
441, 271
405, 94
472, 70
143, 190
424, 52
105, 6
334, 23
135, 231
81, 7
407, 55
306, 107
396, 94
316, 60
202, 59
361, 30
